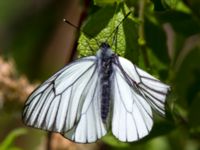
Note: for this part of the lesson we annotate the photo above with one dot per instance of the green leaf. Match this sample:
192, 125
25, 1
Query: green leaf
166, 5
187, 82
7, 144
156, 40
194, 4
183, 8
102, 27
171, 3
160, 143
157, 68
99, 20
158, 5
161, 128
114, 142
131, 36
194, 111
105, 2
182, 23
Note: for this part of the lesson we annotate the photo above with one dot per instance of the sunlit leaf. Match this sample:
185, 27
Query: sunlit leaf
102, 27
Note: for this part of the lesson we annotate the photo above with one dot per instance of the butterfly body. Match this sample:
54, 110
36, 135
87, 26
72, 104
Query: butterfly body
106, 70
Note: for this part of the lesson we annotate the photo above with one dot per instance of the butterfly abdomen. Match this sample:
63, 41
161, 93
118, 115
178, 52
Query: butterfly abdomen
106, 73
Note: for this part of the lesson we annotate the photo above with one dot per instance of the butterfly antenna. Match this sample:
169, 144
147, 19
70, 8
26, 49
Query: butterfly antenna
119, 25
79, 29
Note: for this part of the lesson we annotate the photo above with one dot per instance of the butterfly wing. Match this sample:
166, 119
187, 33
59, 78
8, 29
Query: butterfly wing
135, 92
153, 90
90, 126
65, 101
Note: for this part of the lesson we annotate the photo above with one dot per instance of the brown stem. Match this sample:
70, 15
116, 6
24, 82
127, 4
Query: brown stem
82, 18
49, 137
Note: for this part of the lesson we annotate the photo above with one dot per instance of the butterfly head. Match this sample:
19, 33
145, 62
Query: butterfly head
105, 50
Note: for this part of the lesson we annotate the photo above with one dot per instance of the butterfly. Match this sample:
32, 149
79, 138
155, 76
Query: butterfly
95, 94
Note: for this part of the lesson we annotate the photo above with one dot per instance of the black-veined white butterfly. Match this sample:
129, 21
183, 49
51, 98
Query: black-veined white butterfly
95, 94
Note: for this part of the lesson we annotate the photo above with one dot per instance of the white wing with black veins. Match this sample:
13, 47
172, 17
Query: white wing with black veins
135, 93
69, 101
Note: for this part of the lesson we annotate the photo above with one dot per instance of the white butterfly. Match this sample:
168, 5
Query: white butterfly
94, 94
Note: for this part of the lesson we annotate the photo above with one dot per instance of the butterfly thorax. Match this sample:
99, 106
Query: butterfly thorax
106, 70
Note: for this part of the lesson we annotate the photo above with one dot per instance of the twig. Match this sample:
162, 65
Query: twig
82, 18
49, 139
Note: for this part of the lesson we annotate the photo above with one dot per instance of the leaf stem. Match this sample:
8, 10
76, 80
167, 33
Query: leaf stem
141, 31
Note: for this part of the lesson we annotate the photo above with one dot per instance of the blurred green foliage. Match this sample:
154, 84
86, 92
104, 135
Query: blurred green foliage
8, 143
170, 50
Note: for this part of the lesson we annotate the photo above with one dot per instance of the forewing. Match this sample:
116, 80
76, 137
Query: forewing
57, 104
132, 115
153, 90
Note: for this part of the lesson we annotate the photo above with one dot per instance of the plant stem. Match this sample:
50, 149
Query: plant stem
49, 137
141, 31
83, 15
